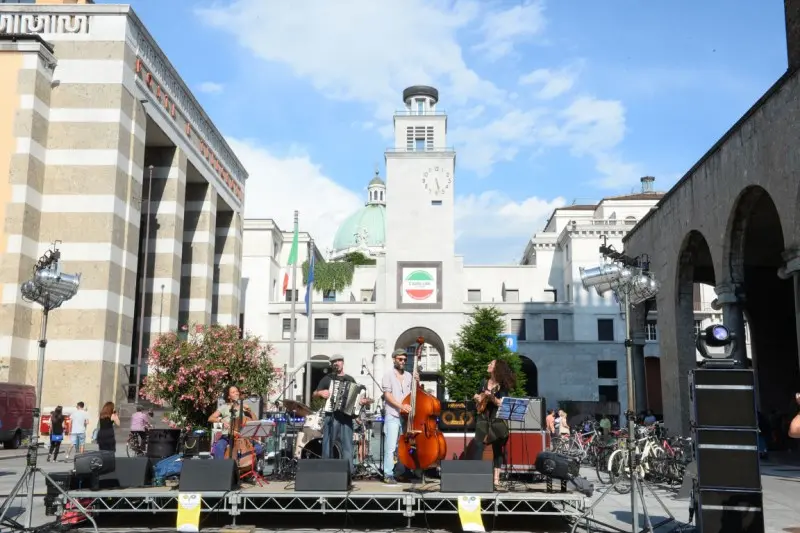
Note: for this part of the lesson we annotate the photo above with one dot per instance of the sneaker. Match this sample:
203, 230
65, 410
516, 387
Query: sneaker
389, 481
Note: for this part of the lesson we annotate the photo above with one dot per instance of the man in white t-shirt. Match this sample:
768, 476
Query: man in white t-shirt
77, 433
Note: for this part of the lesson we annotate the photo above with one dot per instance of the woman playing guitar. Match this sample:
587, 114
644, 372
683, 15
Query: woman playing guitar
488, 428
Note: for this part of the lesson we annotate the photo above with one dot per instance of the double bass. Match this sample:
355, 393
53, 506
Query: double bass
422, 445
241, 449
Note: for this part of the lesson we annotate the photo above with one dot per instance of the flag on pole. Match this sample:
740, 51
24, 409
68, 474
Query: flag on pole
310, 283
292, 260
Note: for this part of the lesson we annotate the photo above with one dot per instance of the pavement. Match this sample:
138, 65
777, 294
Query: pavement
781, 485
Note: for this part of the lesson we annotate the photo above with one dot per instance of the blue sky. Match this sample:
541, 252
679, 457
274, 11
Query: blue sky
549, 101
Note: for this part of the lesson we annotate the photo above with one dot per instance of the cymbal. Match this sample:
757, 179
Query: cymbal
297, 408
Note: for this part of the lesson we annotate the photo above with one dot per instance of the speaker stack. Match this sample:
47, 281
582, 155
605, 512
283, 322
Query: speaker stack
728, 493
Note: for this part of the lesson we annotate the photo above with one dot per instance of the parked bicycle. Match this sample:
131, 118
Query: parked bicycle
137, 444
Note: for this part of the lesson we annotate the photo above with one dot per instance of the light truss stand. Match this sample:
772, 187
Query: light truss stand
29, 475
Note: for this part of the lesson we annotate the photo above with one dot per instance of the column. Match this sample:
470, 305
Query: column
165, 245
198, 255
227, 268
731, 297
792, 268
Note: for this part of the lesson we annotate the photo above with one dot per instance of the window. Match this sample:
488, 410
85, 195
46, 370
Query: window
289, 295
329, 296
605, 329
697, 297
381, 196
474, 295
420, 106
366, 295
320, 328
419, 145
511, 295
287, 328
518, 328
417, 134
651, 331
551, 329
698, 327
569, 293
436, 202
353, 329
607, 370
608, 393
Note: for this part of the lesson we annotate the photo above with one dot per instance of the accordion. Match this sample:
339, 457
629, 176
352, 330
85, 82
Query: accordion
345, 397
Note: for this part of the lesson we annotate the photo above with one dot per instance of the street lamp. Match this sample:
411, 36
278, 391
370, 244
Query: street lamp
50, 288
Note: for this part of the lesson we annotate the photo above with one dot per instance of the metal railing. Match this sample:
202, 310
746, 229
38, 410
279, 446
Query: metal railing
413, 112
426, 150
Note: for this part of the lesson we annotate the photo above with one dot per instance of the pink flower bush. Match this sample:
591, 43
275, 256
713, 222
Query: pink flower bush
189, 372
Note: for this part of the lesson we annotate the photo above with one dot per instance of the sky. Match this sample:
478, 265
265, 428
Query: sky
549, 102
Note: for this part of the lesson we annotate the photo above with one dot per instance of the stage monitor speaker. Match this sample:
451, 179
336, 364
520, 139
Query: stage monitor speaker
209, 475
535, 417
473, 477
730, 512
96, 462
727, 459
131, 472
322, 475
557, 466
723, 398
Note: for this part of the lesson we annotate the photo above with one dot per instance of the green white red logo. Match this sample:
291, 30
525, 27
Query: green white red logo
419, 285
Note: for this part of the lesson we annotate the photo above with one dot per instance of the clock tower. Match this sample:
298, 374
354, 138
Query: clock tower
420, 176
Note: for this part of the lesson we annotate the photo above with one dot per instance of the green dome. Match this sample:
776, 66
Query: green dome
369, 221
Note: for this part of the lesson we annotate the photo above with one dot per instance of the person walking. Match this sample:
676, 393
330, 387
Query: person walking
77, 433
105, 428
56, 433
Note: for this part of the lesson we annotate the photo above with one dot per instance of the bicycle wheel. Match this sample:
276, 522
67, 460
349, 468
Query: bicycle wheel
620, 474
130, 448
601, 465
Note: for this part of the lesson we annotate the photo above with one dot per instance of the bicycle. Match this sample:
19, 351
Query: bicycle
137, 444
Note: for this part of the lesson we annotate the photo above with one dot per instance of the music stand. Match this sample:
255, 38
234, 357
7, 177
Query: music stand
512, 410
255, 430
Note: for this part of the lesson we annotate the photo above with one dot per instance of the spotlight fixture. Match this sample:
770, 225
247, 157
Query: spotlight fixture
721, 342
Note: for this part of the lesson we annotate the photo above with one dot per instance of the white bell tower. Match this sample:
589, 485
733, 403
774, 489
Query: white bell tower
420, 173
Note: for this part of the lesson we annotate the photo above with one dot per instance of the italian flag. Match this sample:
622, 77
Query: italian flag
292, 261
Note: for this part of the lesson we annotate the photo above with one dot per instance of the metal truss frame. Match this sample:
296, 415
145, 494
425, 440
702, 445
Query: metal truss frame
407, 504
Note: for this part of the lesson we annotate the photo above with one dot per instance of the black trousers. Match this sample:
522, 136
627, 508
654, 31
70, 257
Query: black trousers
498, 446
55, 446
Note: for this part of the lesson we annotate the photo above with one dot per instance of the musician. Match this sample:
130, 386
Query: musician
488, 428
396, 385
226, 414
337, 427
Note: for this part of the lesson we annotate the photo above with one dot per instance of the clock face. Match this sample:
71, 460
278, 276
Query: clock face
436, 180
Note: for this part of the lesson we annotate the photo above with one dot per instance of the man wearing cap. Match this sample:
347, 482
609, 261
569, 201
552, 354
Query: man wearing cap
337, 428
396, 385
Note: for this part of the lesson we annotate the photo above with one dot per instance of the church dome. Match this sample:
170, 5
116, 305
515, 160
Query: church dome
365, 230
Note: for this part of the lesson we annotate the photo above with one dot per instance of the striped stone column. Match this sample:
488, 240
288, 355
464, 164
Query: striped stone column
197, 283
28, 121
227, 268
162, 290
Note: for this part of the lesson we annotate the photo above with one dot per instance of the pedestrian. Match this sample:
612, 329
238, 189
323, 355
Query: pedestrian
56, 433
77, 433
105, 428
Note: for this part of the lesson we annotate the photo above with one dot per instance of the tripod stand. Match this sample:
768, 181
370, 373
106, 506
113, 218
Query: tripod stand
371, 466
29, 475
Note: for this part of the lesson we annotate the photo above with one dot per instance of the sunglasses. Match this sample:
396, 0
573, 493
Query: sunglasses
401, 359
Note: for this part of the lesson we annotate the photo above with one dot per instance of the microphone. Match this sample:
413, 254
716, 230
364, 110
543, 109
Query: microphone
363, 366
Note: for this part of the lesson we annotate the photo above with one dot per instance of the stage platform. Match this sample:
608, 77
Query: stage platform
405, 500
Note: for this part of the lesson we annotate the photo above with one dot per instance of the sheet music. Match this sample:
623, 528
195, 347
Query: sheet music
513, 409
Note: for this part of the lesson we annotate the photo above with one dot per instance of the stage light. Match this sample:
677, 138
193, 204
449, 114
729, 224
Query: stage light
605, 277
722, 344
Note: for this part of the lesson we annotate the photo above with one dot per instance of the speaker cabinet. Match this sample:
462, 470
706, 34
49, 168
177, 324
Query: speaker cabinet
728, 459
96, 462
472, 477
730, 512
131, 472
723, 398
535, 417
317, 475
557, 466
209, 475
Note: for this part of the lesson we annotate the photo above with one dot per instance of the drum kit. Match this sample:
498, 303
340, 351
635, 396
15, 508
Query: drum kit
300, 438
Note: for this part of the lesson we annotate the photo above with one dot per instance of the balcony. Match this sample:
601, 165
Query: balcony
413, 150
413, 112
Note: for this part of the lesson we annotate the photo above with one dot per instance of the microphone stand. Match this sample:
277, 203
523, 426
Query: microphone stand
278, 465
365, 368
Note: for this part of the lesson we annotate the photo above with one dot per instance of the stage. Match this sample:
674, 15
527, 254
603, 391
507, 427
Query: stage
365, 497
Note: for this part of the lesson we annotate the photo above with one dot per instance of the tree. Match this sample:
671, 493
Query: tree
190, 371
479, 342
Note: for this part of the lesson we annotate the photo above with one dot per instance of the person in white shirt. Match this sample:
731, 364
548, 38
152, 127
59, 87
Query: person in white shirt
77, 433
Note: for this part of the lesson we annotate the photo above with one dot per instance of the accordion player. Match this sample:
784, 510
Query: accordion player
345, 397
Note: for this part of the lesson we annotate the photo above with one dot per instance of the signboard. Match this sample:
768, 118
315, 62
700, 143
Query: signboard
419, 285
511, 341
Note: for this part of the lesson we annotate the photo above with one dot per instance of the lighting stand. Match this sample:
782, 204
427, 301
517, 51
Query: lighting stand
49, 288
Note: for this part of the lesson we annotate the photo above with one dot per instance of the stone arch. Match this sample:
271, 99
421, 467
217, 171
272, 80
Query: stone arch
410, 336
319, 366
531, 376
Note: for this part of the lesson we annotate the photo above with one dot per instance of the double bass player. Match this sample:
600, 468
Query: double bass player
396, 385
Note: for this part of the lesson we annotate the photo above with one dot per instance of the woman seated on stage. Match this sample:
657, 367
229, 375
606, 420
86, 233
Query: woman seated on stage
225, 414
488, 428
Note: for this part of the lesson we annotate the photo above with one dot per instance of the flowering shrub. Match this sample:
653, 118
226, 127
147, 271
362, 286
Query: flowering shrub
189, 371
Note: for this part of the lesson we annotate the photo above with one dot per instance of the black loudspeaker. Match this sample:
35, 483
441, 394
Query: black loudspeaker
557, 466
209, 475
728, 459
162, 443
472, 477
317, 475
196, 443
535, 417
723, 398
131, 472
730, 512
95, 463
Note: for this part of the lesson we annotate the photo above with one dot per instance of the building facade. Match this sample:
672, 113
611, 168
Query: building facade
107, 152
571, 339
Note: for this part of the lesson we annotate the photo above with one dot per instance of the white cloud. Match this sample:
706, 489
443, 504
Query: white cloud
551, 83
210, 87
501, 30
279, 186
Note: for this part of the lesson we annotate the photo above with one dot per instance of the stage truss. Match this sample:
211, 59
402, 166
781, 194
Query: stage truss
407, 504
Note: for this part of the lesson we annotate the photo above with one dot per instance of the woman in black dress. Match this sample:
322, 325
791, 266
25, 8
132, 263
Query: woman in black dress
56, 433
105, 428
488, 428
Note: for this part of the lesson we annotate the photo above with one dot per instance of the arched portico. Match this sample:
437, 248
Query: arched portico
409, 338
531, 376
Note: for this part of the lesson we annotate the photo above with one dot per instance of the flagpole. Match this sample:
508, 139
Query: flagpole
293, 319
310, 323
